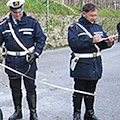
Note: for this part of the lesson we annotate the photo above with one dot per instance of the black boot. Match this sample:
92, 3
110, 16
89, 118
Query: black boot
32, 106
1, 115
77, 115
77, 99
89, 103
17, 103
89, 115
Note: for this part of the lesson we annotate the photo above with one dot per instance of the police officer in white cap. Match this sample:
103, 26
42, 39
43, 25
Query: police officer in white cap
24, 41
1, 115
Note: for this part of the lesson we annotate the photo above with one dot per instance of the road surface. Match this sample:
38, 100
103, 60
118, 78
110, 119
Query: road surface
56, 104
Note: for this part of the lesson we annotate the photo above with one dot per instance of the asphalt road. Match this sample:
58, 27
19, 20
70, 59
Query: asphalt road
56, 104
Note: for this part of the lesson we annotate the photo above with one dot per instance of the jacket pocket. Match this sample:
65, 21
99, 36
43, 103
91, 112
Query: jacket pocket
85, 68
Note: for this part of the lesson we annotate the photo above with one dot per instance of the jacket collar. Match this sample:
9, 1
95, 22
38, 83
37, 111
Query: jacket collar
84, 21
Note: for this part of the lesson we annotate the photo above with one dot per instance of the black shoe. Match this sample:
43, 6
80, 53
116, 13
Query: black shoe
90, 115
33, 116
32, 106
16, 115
77, 116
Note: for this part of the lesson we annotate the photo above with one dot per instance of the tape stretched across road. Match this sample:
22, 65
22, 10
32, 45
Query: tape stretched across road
49, 84
64, 88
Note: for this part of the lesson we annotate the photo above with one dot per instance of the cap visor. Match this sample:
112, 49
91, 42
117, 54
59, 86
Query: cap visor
17, 10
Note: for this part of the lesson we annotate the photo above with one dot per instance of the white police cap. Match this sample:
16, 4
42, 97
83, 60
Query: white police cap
15, 3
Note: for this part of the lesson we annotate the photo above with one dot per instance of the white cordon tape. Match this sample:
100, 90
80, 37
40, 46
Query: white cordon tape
46, 83
15, 71
104, 39
66, 89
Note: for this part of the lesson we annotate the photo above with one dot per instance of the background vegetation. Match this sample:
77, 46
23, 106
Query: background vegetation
60, 16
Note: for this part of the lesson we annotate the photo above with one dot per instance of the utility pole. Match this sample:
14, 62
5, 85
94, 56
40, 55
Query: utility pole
47, 16
63, 2
82, 3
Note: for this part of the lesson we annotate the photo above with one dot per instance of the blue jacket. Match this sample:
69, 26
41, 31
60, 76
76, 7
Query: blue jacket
30, 33
86, 68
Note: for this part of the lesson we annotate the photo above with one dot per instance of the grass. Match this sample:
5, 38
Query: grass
108, 18
39, 6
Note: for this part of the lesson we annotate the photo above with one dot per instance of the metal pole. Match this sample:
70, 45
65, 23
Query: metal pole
63, 2
82, 2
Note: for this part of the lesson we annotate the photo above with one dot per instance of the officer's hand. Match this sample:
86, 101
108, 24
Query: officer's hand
96, 38
111, 39
31, 57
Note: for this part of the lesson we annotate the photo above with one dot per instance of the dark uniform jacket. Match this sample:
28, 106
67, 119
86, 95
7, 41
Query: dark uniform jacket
29, 32
86, 68
118, 30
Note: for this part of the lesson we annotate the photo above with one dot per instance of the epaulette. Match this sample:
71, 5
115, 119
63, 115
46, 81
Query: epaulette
32, 17
3, 20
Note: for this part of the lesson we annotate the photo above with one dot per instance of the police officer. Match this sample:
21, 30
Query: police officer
118, 30
1, 115
24, 41
85, 41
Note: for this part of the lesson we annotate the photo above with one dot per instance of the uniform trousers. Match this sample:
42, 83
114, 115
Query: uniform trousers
15, 85
87, 86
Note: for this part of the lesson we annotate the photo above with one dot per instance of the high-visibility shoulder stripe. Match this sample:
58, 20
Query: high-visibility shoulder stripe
80, 34
5, 19
25, 29
6, 31
3, 22
88, 33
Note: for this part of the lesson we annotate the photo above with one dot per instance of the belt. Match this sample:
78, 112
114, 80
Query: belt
80, 55
20, 53
87, 55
